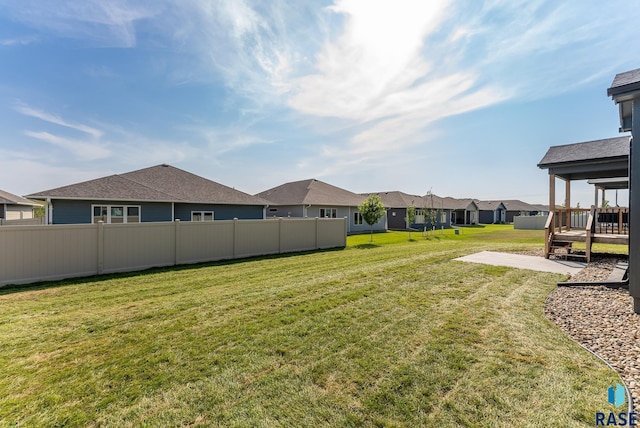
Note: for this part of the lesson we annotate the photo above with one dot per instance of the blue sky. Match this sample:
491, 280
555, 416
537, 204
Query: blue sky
459, 97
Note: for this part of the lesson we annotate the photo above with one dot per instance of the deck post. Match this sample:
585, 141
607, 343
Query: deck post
552, 198
567, 201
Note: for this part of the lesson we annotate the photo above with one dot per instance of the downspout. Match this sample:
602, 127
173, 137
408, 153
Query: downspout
349, 220
305, 212
173, 211
264, 211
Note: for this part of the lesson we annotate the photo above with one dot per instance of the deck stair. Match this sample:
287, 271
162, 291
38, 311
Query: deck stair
562, 248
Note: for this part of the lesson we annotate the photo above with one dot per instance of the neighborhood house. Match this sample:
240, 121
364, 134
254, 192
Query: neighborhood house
155, 194
314, 198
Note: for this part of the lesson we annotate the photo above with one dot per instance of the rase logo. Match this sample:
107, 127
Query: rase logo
616, 397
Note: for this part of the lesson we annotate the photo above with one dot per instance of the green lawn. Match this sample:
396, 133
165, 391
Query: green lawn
392, 333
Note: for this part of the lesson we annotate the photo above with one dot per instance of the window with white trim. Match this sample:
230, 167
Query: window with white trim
201, 215
328, 213
357, 218
114, 214
443, 217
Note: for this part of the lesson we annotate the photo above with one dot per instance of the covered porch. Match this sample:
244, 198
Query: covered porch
604, 163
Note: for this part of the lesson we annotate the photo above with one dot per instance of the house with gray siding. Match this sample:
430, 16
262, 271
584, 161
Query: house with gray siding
491, 212
158, 193
315, 198
505, 210
397, 203
463, 211
14, 207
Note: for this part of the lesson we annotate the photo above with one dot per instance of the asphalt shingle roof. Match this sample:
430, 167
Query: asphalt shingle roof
157, 183
628, 81
10, 198
310, 192
589, 150
397, 199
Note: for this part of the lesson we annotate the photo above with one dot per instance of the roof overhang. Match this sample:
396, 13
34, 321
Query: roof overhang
611, 183
590, 169
138, 200
624, 95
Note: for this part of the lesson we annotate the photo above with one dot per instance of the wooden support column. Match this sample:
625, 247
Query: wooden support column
552, 198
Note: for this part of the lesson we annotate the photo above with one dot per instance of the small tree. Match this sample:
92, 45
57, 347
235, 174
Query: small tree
371, 210
431, 214
411, 217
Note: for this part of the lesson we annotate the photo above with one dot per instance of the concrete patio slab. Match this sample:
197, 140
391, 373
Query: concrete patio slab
521, 261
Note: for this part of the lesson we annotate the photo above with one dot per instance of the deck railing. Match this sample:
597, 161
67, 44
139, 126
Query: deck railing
612, 221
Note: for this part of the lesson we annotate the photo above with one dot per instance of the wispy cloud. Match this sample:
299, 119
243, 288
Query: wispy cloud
80, 149
18, 41
48, 117
106, 23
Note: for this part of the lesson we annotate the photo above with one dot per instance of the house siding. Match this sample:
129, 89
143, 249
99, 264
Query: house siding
486, 217
2, 214
341, 212
396, 218
286, 211
220, 212
79, 212
439, 224
18, 212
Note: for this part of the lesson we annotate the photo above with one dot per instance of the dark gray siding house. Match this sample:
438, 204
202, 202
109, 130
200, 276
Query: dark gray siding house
158, 193
397, 203
491, 212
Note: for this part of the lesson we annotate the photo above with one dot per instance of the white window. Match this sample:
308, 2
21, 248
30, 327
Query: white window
113, 214
328, 213
201, 215
357, 218
443, 217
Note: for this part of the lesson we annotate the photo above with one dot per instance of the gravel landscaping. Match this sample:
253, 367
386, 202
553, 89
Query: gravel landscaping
602, 320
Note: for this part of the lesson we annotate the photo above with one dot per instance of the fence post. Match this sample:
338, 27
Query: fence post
280, 235
176, 255
100, 247
235, 235
346, 230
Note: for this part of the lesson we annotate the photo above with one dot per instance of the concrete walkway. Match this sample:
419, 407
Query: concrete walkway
524, 262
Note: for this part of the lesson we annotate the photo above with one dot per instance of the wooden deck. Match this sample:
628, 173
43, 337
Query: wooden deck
566, 227
581, 236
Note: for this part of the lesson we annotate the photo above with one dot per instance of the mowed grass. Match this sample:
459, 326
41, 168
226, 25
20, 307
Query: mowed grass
390, 334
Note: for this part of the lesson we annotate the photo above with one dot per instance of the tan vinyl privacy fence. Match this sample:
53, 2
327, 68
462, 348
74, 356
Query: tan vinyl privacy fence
39, 253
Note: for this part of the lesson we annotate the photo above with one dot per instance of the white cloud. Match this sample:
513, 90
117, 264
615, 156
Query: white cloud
105, 23
47, 117
18, 41
80, 149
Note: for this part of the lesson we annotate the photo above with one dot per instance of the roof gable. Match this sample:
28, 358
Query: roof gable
490, 205
458, 204
310, 192
158, 183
